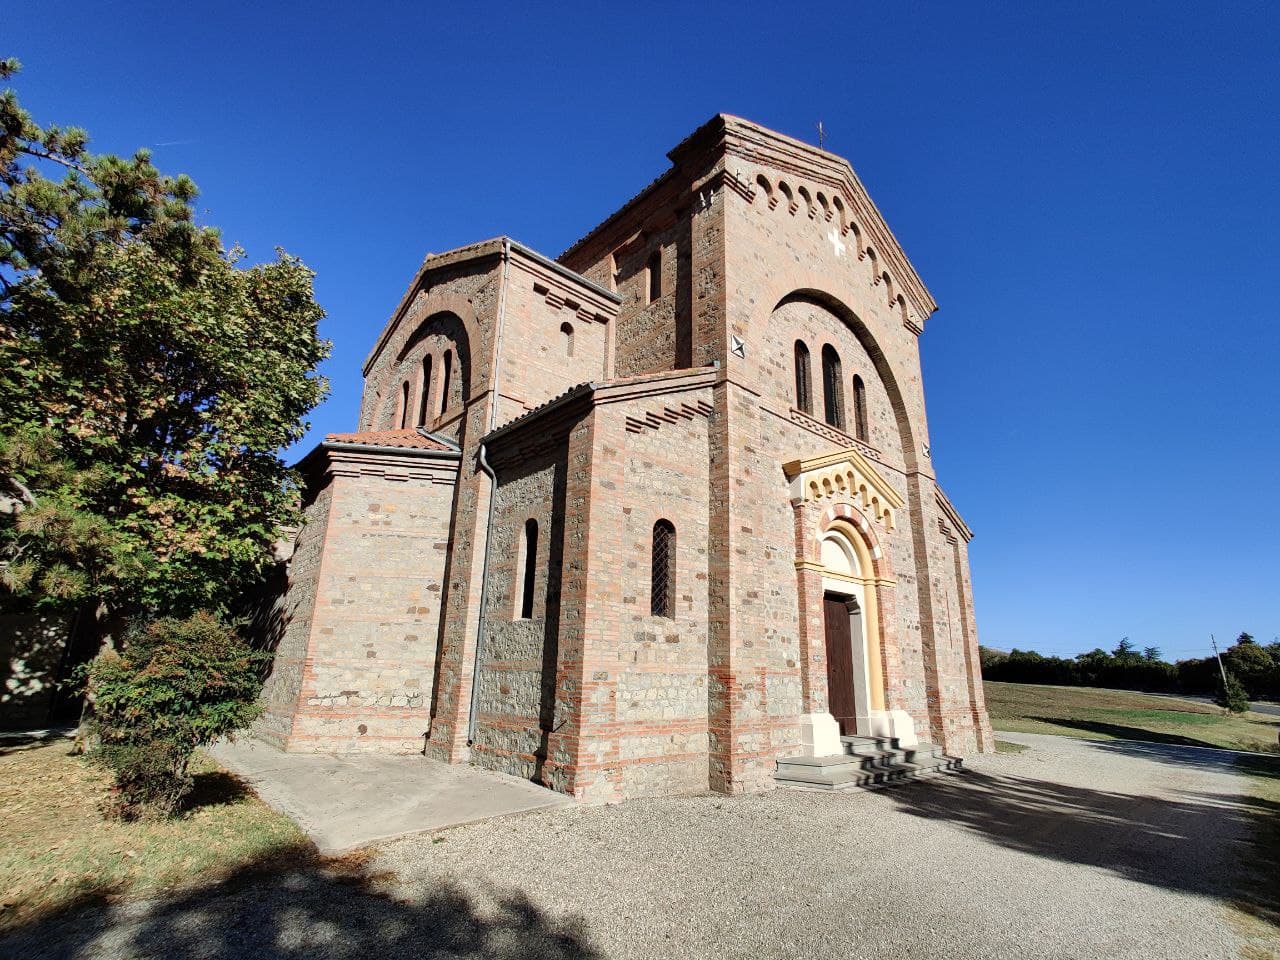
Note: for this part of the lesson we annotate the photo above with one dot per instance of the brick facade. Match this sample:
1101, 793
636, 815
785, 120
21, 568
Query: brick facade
648, 375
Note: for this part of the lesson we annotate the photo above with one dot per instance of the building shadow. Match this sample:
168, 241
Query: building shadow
1193, 843
317, 909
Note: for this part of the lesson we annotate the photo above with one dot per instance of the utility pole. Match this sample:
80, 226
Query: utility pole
1219, 656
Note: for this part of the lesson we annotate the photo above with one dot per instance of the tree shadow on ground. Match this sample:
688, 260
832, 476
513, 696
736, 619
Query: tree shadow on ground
1217, 759
1194, 843
1127, 733
320, 909
214, 788
19, 741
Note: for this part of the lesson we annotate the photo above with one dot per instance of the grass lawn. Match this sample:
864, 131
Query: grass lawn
1096, 714
56, 850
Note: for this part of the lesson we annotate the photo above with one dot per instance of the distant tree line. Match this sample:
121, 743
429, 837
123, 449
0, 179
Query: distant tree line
1256, 666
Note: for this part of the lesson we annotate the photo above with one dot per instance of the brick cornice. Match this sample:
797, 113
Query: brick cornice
387, 463
952, 514
755, 144
597, 302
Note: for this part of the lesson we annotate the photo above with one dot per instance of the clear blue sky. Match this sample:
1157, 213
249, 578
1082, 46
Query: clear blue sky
1090, 190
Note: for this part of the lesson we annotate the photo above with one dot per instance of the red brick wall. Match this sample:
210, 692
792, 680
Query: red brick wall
369, 610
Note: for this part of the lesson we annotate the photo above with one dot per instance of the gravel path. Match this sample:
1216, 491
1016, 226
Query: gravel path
1070, 850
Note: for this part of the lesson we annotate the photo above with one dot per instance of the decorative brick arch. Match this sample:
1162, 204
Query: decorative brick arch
397, 341
812, 290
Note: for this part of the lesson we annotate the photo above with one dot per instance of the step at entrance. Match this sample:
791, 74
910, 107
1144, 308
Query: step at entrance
866, 762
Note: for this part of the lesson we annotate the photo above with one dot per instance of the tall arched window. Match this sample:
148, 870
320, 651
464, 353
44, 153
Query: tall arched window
423, 402
566, 338
859, 408
446, 374
529, 568
832, 387
655, 275
404, 404
804, 392
663, 586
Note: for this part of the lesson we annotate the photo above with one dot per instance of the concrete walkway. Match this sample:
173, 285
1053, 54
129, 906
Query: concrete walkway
345, 802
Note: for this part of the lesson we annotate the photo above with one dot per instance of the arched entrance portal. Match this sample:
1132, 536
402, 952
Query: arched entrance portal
844, 509
846, 586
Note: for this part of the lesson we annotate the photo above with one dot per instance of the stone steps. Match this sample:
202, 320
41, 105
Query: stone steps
867, 762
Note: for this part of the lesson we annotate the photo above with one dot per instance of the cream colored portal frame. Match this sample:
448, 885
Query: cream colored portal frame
847, 568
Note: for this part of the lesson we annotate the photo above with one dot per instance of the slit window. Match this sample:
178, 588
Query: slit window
529, 568
859, 408
446, 374
655, 275
424, 402
662, 591
832, 388
804, 392
404, 404
566, 337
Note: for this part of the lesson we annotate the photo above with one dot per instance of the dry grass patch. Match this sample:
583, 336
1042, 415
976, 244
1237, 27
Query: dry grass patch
57, 850
1096, 714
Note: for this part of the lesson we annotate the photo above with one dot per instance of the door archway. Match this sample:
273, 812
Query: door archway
847, 631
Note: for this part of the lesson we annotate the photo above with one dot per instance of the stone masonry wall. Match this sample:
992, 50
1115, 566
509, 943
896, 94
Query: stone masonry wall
283, 687
515, 704
653, 335
662, 662
368, 671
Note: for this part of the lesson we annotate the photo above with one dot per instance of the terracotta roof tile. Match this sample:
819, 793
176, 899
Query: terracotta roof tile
409, 439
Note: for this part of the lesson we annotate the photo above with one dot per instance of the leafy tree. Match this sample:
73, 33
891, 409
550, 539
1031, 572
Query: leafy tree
175, 686
1125, 648
148, 382
1244, 637
1255, 667
1151, 653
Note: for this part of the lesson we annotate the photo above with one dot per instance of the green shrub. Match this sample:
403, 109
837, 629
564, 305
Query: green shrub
176, 685
1231, 695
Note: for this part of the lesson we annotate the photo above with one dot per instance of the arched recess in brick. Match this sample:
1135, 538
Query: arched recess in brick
404, 332
440, 334
883, 369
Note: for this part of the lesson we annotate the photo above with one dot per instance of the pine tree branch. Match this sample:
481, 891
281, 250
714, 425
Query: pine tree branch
46, 155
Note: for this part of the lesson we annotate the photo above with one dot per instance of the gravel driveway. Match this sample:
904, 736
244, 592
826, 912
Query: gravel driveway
1071, 850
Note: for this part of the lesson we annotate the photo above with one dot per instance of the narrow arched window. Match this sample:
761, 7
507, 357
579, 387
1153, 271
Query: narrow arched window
529, 568
859, 408
446, 374
804, 392
424, 408
663, 586
832, 387
655, 275
404, 404
566, 338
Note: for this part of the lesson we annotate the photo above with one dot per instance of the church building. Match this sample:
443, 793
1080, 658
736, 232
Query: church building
650, 517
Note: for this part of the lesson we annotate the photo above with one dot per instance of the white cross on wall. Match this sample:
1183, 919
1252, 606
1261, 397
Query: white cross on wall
836, 244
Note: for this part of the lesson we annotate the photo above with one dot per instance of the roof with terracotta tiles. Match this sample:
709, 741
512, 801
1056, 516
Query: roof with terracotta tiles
408, 439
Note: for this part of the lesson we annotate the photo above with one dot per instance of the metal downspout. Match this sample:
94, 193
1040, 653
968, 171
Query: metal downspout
483, 460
